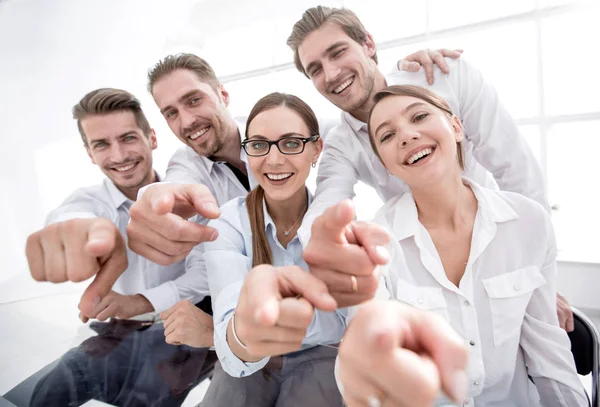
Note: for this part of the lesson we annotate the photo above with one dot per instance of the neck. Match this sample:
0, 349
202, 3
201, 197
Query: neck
132, 193
447, 203
230, 150
286, 214
362, 112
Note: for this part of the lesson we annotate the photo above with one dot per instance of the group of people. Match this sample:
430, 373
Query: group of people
465, 233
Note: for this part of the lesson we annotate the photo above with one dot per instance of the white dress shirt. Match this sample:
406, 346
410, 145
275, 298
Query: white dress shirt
228, 261
505, 304
163, 286
492, 143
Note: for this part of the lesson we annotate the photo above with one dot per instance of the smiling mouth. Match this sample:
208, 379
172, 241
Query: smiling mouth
125, 168
199, 133
419, 155
343, 86
279, 177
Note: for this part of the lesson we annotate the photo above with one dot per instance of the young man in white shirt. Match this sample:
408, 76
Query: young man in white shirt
333, 49
86, 234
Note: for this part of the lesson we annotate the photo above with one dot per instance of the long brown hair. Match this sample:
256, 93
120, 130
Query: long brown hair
420, 93
261, 251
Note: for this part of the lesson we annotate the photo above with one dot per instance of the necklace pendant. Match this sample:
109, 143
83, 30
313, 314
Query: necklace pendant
286, 232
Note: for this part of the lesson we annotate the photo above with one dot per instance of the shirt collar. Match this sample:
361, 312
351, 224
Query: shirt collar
354, 123
241, 125
492, 208
116, 196
269, 221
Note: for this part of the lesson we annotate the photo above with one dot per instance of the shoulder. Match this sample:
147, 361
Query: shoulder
233, 214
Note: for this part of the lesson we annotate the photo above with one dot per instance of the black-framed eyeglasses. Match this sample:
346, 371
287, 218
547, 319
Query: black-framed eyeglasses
288, 145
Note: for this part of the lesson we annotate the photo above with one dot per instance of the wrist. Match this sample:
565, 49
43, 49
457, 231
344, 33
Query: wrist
141, 304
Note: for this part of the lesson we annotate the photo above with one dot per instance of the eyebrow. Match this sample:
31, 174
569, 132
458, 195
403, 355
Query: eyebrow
120, 136
181, 100
327, 51
286, 135
409, 107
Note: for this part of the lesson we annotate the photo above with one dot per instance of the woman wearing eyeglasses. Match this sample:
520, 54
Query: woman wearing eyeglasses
271, 318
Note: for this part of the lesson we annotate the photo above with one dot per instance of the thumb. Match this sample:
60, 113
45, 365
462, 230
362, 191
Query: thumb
261, 294
332, 224
163, 202
101, 237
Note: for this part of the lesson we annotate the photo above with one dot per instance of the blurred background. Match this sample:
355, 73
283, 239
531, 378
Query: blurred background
541, 55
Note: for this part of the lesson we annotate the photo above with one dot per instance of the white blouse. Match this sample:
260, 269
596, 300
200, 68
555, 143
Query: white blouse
505, 304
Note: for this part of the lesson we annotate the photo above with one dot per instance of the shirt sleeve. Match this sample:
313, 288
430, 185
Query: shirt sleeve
546, 346
227, 264
192, 285
181, 168
79, 205
335, 182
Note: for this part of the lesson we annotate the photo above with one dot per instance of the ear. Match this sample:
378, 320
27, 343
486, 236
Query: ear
224, 95
318, 150
370, 46
457, 126
152, 139
89, 153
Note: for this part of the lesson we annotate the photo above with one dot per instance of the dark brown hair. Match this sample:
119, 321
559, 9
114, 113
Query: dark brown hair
190, 62
108, 100
420, 93
261, 251
315, 17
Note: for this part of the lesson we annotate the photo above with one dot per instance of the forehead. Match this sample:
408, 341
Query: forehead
171, 87
108, 126
316, 43
274, 123
392, 106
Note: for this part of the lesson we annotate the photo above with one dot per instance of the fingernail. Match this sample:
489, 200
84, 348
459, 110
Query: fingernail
210, 206
459, 386
382, 252
214, 236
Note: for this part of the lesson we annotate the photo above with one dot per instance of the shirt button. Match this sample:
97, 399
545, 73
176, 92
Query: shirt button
476, 383
516, 287
420, 300
472, 343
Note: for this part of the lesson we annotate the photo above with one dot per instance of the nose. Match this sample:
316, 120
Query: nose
331, 72
407, 136
187, 119
118, 153
275, 158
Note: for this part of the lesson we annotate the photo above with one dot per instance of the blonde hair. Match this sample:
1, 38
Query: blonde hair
314, 18
261, 251
108, 100
420, 93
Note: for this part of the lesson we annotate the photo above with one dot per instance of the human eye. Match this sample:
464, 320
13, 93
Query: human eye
386, 136
420, 117
194, 101
292, 143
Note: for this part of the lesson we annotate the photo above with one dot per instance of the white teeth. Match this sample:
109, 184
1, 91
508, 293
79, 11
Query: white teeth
419, 154
279, 177
199, 133
126, 168
344, 85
